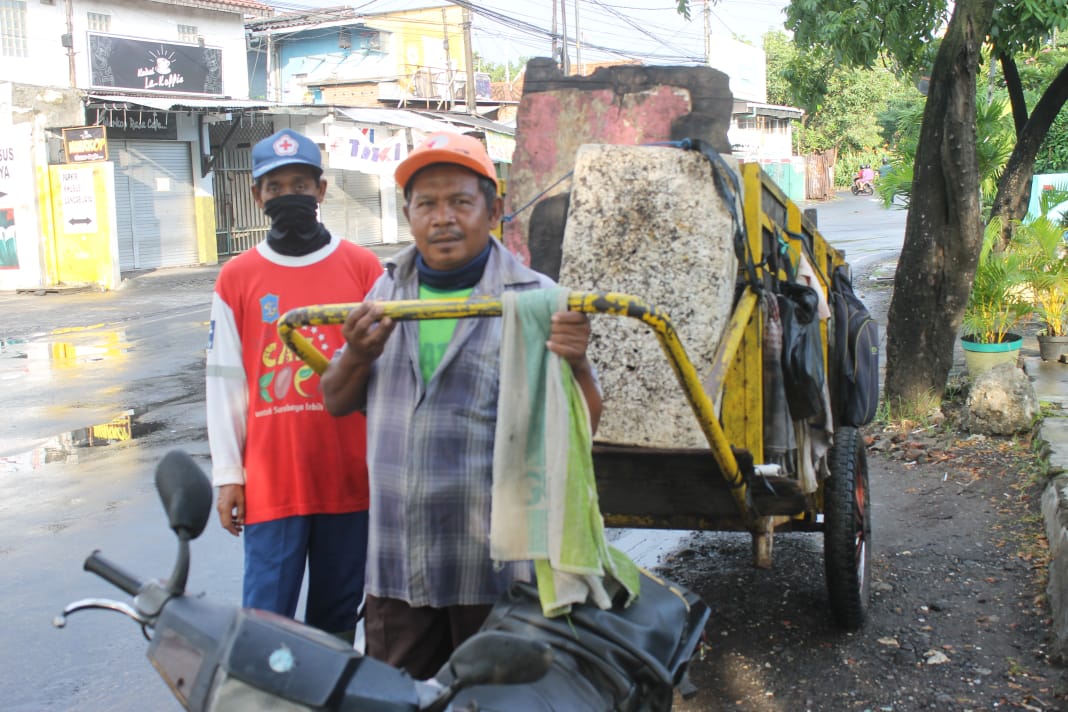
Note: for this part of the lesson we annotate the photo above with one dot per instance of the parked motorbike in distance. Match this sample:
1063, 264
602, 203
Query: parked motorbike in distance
215, 656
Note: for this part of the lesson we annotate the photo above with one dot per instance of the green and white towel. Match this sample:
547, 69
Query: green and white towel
544, 494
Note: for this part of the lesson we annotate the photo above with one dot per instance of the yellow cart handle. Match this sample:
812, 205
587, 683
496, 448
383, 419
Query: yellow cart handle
587, 302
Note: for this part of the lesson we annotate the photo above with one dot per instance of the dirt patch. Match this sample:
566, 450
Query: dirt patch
958, 616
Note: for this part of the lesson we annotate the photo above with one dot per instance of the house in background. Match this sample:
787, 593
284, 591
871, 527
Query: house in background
759, 132
341, 57
153, 74
369, 87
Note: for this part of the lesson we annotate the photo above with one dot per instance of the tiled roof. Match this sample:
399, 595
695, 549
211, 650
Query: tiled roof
247, 7
311, 16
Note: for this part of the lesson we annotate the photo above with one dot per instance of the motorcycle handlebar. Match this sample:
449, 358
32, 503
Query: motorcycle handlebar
112, 573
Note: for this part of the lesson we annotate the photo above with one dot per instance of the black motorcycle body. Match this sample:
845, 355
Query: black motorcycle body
222, 657
863, 187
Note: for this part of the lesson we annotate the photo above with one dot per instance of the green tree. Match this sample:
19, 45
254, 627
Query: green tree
498, 71
850, 109
1032, 129
1037, 71
944, 229
781, 54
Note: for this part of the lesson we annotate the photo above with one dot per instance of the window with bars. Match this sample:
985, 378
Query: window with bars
99, 21
187, 33
13, 28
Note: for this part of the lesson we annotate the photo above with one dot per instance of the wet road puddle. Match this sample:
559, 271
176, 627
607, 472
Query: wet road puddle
61, 351
75, 347
65, 447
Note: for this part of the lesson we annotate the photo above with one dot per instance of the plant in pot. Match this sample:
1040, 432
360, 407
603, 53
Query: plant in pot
995, 306
1041, 241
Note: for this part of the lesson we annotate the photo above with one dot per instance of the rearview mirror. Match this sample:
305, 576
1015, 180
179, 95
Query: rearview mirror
185, 492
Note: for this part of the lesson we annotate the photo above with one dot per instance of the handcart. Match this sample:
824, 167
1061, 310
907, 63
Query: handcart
716, 488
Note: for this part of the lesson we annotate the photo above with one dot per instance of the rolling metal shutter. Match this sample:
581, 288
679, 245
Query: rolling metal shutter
123, 216
352, 208
154, 204
404, 232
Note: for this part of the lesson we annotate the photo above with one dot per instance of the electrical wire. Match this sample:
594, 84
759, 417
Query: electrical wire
665, 42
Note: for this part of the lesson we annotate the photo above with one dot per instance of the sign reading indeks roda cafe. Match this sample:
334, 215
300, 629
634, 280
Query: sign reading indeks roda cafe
154, 66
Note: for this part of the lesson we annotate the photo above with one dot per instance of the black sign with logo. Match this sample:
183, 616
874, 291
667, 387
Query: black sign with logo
85, 143
154, 66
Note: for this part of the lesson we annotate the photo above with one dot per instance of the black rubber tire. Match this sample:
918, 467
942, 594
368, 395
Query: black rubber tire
869, 189
847, 529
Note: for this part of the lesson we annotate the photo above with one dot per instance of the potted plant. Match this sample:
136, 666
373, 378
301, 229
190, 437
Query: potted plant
995, 306
1046, 275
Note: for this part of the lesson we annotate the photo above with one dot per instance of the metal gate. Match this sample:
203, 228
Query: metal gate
239, 223
154, 207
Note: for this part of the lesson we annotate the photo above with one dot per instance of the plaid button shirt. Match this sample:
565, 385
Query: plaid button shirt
430, 451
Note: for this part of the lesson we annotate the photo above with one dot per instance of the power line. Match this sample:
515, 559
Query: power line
528, 34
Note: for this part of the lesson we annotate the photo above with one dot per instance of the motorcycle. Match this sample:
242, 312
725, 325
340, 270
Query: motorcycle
216, 656
863, 185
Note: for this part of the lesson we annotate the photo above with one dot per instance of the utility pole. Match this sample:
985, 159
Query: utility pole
69, 41
507, 63
469, 94
578, 42
448, 59
269, 68
708, 32
556, 43
565, 61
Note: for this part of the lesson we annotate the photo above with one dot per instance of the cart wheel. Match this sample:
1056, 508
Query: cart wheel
847, 529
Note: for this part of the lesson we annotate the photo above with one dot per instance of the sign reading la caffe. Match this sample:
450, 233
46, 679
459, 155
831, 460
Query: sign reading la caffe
122, 63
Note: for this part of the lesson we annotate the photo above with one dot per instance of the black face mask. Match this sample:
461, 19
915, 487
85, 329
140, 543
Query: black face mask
295, 230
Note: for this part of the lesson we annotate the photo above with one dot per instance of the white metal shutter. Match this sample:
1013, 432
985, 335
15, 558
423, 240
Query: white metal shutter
352, 209
123, 216
159, 190
404, 232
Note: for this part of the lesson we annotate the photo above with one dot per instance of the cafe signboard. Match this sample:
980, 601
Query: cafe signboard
85, 143
124, 63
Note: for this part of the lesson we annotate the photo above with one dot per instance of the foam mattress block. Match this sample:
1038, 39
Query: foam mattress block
647, 221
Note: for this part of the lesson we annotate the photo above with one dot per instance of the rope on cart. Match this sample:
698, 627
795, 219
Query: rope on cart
536, 198
729, 187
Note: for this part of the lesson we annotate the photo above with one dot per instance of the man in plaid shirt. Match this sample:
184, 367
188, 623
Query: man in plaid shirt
429, 389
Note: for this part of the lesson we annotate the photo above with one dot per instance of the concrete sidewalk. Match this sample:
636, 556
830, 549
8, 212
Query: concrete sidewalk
1050, 379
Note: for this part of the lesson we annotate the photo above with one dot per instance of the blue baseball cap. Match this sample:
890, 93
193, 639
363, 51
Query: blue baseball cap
284, 148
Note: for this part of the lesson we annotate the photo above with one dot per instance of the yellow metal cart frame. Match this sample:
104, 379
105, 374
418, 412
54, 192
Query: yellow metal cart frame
706, 489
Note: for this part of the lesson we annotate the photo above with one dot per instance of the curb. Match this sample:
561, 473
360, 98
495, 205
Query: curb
1051, 386
1054, 434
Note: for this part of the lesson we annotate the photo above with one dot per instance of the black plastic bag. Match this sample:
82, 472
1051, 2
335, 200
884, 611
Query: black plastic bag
802, 350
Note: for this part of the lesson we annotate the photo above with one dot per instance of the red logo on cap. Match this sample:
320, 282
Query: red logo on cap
285, 146
438, 142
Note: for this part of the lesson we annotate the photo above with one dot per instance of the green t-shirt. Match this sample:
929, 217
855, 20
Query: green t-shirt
435, 334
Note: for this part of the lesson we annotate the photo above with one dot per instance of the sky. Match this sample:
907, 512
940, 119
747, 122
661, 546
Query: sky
650, 30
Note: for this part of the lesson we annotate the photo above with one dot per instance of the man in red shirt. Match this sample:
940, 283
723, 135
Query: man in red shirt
289, 475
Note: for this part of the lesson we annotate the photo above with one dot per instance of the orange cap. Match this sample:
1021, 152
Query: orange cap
445, 147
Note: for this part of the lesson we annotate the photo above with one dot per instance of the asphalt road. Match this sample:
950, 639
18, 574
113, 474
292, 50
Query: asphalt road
69, 362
